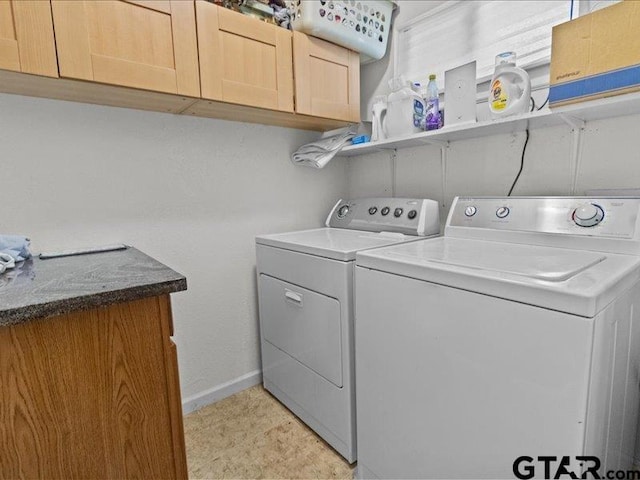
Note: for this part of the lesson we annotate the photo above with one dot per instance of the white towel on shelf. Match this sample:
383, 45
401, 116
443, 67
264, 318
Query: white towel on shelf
318, 154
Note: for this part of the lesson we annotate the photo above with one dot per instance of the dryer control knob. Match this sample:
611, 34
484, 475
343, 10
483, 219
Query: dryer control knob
502, 212
588, 215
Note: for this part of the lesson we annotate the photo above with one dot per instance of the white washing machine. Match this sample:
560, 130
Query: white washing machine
305, 284
515, 334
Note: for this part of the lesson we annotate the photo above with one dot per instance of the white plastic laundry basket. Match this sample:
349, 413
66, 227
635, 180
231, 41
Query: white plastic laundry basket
362, 26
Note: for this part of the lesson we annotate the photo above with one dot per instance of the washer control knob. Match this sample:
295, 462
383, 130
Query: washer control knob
588, 215
342, 211
373, 210
385, 211
397, 212
470, 211
502, 212
412, 214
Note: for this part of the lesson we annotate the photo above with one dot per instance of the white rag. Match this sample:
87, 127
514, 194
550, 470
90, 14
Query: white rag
15, 245
317, 154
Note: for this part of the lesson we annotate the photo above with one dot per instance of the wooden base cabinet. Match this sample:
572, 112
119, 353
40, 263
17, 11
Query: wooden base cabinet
26, 37
92, 394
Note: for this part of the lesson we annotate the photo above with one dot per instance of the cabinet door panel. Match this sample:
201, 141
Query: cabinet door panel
327, 79
143, 44
26, 37
91, 394
244, 61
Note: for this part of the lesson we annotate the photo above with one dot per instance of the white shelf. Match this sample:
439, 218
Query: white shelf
573, 115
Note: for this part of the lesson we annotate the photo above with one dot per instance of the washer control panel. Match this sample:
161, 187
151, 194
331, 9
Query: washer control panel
411, 216
601, 217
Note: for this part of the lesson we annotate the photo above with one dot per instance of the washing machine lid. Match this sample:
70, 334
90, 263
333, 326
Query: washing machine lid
573, 281
334, 243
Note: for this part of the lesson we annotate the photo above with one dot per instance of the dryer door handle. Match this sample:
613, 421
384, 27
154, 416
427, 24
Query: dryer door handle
293, 297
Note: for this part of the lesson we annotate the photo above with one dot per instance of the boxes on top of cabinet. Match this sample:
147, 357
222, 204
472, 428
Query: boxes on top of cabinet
596, 55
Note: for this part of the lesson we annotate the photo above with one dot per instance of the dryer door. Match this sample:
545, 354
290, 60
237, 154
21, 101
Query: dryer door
304, 324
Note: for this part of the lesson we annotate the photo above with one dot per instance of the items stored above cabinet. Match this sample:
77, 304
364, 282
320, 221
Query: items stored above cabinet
26, 37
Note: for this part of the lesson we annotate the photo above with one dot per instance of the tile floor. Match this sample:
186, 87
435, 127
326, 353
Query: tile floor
250, 435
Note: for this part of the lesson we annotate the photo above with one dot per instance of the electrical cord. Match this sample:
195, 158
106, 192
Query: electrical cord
524, 149
545, 102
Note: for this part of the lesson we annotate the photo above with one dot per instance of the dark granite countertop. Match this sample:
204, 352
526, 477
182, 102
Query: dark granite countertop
44, 288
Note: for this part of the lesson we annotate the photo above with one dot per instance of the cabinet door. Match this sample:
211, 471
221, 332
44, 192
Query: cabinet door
243, 60
150, 44
327, 79
26, 37
92, 394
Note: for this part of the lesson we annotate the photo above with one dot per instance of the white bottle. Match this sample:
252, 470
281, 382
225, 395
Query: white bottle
510, 91
377, 111
405, 109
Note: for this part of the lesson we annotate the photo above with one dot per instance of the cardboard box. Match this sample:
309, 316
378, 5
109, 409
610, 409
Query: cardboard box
596, 55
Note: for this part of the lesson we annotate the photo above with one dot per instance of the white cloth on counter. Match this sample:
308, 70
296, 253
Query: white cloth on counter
19, 275
15, 245
318, 154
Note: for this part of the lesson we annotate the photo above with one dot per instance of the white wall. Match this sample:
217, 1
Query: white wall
487, 166
190, 192
374, 77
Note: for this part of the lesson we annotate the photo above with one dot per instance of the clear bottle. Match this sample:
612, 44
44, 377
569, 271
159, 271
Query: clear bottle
419, 115
432, 114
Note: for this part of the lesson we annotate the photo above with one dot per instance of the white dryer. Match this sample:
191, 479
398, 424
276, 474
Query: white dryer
305, 284
516, 334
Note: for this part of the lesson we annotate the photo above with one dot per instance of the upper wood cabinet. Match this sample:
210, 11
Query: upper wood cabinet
327, 79
143, 44
26, 37
243, 60
180, 56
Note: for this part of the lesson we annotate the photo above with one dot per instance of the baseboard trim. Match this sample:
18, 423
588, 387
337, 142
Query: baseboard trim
195, 402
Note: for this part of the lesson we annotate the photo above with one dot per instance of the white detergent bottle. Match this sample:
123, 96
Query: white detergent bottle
405, 109
510, 91
378, 111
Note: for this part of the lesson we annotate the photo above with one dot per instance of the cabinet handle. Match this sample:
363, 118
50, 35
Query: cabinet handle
292, 296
